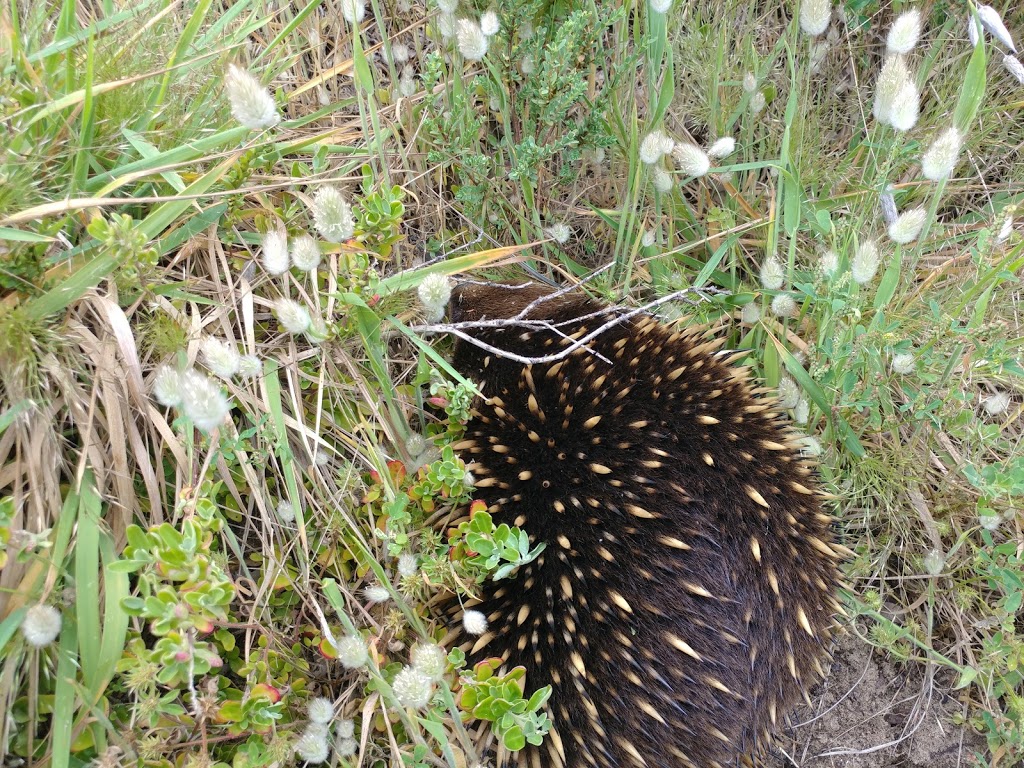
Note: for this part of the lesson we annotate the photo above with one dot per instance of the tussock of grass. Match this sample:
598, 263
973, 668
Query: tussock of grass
132, 212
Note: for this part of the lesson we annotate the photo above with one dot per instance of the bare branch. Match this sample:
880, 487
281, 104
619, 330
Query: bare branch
619, 315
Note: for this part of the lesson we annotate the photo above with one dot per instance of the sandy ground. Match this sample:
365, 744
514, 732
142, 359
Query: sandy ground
871, 713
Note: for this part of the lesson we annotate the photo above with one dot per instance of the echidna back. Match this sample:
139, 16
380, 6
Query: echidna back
686, 596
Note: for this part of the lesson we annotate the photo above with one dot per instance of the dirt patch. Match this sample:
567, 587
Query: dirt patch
871, 713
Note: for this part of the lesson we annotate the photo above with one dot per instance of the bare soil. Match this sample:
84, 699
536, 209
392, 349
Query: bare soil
873, 713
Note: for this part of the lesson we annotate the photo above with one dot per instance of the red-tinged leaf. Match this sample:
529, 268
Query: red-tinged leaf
397, 470
266, 691
327, 650
439, 402
476, 507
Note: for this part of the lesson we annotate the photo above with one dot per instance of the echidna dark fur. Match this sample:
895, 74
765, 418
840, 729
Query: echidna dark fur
687, 594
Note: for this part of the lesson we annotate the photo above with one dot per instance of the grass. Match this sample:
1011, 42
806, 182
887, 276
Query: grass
132, 213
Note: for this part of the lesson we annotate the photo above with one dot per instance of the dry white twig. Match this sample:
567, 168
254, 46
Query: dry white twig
459, 330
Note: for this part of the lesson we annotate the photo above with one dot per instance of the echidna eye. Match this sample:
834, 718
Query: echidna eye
546, 484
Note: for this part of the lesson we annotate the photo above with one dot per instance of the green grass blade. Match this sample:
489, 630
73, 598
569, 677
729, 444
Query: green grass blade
973, 91
115, 621
87, 129
64, 699
87, 578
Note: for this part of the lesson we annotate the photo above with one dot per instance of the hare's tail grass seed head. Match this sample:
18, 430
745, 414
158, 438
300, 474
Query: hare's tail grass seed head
904, 32
646, 459
251, 103
41, 625
942, 155
908, 226
332, 215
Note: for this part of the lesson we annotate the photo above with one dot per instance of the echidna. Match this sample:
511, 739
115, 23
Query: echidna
687, 594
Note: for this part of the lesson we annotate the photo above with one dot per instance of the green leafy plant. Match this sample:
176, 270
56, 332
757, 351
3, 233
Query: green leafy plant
499, 699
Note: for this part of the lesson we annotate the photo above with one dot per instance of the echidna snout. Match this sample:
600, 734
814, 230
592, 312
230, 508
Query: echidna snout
686, 597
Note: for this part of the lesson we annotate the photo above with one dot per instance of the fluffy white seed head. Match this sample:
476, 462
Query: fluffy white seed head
416, 444
905, 32
352, 651
471, 40
346, 729
221, 357
660, 6
354, 11
320, 710
1004, 231
888, 204
408, 565
407, 82
1014, 67
773, 274
802, 411
908, 226
332, 215
810, 446
990, 522
251, 103
203, 402
275, 252
996, 403
285, 511
474, 622
757, 103
41, 625
690, 159
941, 157
412, 688
429, 659
377, 594
934, 562
305, 253
399, 53
448, 6
662, 179
434, 294
749, 82
865, 263
750, 313
490, 25
559, 232
890, 81
724, 147
445, 26
648, 238
292, 316
167, 386
346, 747
814, 16
784, 305
654, 146
312, 747
906, 108
789, 392
993, 24
903, 363
830, 263
249, 366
